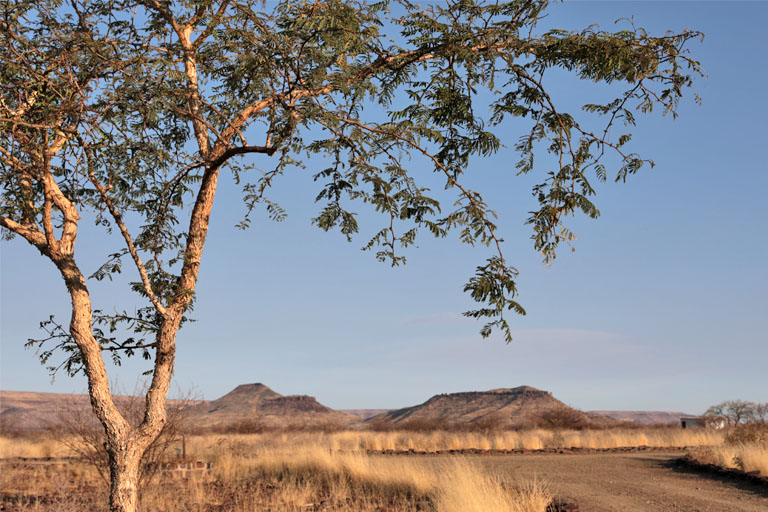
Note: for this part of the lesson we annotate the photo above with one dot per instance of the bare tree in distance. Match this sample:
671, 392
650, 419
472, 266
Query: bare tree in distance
761, 412
737, 412
129, 110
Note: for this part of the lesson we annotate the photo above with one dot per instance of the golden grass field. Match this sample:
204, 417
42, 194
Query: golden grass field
336, 471
281, 472
744, 456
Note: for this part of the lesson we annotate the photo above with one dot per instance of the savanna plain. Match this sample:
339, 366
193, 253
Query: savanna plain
524, 470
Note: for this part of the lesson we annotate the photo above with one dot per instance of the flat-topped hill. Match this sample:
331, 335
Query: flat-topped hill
522, 406
503, 407
257, 403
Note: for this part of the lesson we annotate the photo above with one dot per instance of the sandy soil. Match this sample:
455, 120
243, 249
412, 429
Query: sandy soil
629, 482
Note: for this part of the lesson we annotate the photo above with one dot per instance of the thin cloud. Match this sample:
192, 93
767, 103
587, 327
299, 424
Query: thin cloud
436, 318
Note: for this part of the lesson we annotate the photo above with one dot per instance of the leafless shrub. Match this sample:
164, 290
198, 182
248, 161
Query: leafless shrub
486, 425
78, 429
562, 418
247, 426
254, 426
380, 425
425, 425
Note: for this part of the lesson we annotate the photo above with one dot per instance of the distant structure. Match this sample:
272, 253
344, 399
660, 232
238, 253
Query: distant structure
702, 422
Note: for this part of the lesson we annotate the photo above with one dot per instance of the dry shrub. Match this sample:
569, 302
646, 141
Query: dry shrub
748, 433
251, 426
486, 424
425, 425
753, 458
745, 447
78, 429
562, 419
240, 427
746, 457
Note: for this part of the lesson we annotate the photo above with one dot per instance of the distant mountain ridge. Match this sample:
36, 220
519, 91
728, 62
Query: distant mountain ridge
25, 410
645, 417
257, 403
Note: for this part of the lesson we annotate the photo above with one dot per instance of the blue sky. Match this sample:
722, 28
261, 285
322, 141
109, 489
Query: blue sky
662, 305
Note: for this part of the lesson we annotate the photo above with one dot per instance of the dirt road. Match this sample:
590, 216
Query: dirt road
633, 482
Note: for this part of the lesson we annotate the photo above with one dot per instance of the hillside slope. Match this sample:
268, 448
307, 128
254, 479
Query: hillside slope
258, 404
26, 410
502, 408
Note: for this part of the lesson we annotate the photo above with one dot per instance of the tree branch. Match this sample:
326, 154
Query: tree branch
468, 194
29, 232
241, 150
118, 217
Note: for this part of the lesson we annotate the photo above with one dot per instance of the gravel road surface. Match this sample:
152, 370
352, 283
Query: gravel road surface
633, 482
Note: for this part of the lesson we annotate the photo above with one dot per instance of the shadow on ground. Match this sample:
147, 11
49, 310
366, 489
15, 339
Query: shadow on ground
739, 481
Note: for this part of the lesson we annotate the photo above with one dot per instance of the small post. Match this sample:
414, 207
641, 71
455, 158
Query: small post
183, 446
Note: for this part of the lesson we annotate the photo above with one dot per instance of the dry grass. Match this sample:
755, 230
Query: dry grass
34, 447
307, 467
466, 488
747, 457
209, 446
744, 447
540, 439
334, 471
744, 456
283, 472
353, 441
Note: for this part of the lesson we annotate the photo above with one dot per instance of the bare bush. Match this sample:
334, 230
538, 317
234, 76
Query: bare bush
78, 429
247, 426
425, 425
255, 426
562, 419
380, 425
486, 425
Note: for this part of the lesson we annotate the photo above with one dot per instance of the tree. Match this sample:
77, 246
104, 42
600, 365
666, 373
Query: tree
129, 110
735, 412
761, 412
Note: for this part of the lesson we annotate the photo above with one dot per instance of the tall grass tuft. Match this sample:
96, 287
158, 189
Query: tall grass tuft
464, 487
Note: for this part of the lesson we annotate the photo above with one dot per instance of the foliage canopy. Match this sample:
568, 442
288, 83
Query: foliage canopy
129, 108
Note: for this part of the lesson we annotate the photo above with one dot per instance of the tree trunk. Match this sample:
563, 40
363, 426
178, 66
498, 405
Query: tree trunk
124, 460
125, 444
